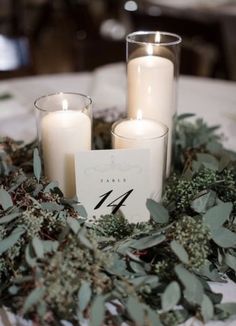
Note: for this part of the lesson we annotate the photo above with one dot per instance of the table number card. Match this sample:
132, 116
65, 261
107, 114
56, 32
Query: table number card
112, 180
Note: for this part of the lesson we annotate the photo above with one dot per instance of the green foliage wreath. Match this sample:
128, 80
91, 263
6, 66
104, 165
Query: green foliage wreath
56, 267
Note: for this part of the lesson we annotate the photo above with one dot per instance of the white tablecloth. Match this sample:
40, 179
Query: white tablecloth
213, 100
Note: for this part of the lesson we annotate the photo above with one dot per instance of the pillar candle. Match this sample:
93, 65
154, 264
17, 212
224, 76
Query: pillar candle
148, 134
63, 133
150, 89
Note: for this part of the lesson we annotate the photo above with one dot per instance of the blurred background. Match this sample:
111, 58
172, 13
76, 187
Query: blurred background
56, 36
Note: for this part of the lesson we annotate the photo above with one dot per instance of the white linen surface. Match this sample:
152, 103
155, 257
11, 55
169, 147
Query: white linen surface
213, 100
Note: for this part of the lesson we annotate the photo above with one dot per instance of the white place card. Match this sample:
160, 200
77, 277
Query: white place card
112, 180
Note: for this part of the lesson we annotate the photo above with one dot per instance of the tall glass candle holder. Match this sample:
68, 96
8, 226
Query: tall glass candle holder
145, 134
64, 127
152, 73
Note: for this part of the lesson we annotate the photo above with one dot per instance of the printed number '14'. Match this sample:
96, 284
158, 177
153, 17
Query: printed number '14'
113, 203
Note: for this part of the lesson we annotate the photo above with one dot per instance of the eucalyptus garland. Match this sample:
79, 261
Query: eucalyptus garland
57, 267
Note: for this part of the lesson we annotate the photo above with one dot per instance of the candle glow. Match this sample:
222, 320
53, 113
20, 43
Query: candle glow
149, 49
149, 134
64, 105
64, 131
158, 37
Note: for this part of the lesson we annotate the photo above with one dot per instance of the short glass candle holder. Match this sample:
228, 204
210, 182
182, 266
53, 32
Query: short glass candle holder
145, 134
64, 127
152, 73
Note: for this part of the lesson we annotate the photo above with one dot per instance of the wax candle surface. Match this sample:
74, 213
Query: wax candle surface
64, 132
150, 89
145, 133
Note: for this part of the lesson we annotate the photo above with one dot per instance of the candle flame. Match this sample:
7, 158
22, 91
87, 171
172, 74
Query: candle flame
158, 37
139, 115
64, 105
150, 49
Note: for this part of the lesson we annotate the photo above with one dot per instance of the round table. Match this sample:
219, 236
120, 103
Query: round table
213, 100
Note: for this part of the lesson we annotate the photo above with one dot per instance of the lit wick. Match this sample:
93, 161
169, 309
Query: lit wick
158, 37
139, 115
64, 105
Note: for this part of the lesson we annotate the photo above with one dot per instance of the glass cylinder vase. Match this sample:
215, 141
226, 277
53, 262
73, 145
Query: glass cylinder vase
152, 73
64, 127
145, 134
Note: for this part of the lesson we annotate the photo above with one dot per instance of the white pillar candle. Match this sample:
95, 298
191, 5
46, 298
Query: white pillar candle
148, 134
150, 89
63, 134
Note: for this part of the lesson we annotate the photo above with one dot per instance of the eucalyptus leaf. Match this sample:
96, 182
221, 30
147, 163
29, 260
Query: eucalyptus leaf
84, 240
152, 281
171, 296
18, 183
224, 162
42, 309
84, 296
73, 224
196, 166
134, 257
33, 298
37, 190
216, 298
210, 272
137, 268
209, 161
180, 252
216, 216
5, 96
97, 312
81, 210
230, 261
9, 218
193, 287
37, 164
4, 168
5, 199
52, 206
215, 148
202, 203
158, 212
185, 116
38, 247
228, 307
29, 256
8, 242
224, 238
207, 308
118, 266
153, 317
51, 186
135, 311
213, 128
124, 246
50, 246
220, 256
148, 242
